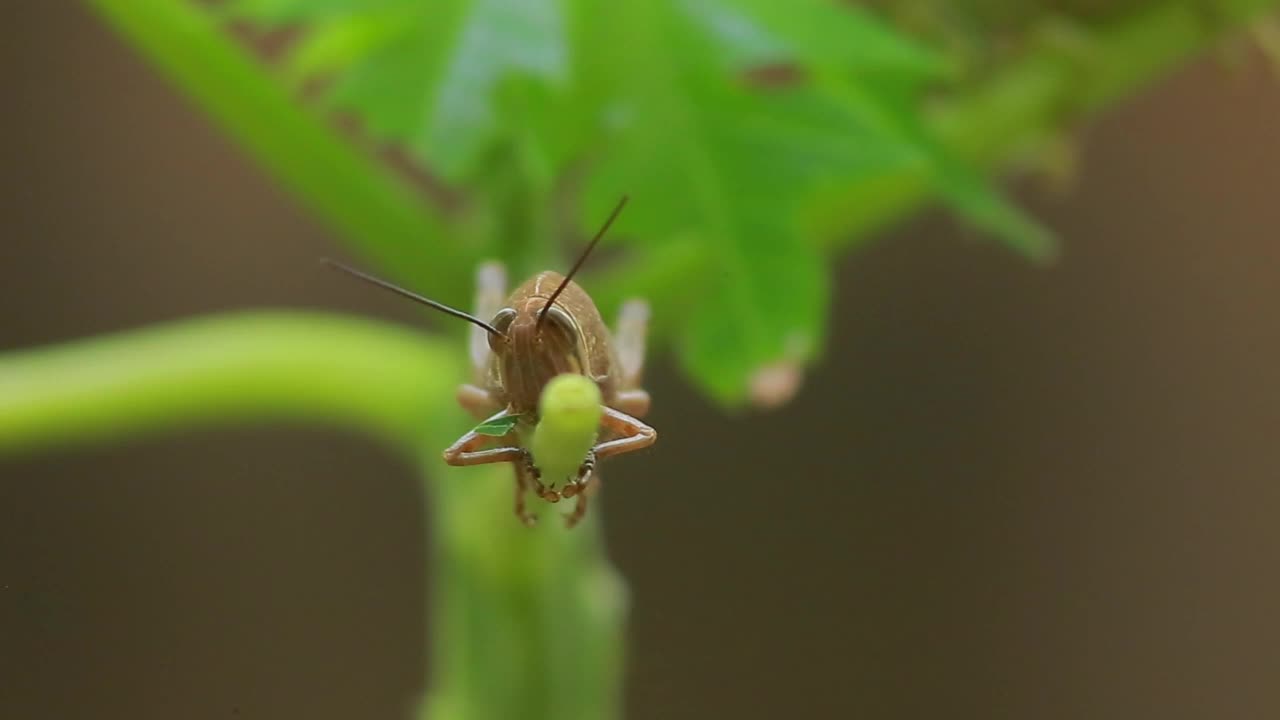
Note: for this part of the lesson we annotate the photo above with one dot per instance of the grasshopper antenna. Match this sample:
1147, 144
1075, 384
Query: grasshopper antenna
581, 259
411, 295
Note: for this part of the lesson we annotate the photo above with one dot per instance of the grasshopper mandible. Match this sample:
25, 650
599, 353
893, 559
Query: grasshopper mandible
547, 327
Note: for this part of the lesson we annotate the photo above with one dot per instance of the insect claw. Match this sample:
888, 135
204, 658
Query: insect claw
587, 467
579, 511
534, 472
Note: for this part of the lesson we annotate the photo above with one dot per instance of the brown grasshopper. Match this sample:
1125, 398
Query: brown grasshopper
548, 326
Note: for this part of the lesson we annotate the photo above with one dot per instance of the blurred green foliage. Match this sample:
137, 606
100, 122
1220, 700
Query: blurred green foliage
753, 135
725, 120
756, 139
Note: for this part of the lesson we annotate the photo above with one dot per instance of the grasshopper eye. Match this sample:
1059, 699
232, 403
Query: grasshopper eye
559, 319
501, 323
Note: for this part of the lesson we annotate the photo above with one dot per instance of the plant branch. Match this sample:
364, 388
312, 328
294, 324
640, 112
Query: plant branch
244, 367
1053, 86
525, 623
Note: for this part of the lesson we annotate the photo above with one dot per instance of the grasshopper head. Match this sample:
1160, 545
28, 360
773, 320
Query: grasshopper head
530, 352
538, 338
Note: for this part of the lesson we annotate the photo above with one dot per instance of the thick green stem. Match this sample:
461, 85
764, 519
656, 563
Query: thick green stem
527, 623
260, 366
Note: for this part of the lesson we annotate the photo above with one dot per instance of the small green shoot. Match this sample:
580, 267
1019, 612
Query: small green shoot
570, 409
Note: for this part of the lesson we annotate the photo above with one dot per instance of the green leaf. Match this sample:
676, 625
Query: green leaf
426, 75
283, 12
497, 427
973, 197
713, 161
810, 32
827, 41
893, 110
332, 46
507, 97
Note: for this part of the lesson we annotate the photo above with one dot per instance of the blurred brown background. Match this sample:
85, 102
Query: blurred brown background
1007, 492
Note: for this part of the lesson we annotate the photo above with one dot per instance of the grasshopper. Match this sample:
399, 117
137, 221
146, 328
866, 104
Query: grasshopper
546, 327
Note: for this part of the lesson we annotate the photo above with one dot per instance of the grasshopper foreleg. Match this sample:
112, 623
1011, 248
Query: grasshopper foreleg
464, 452
632, 434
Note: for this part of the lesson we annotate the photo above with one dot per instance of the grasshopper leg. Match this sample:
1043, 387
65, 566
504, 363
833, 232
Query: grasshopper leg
491, 290
477, 401
634, 402
533, 478
632, 434
579, 512
586, 472
465, 452
522, 487
633, 326
583, 488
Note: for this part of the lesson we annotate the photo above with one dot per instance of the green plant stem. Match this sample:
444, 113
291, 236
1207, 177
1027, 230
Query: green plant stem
257, 366
526, 623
